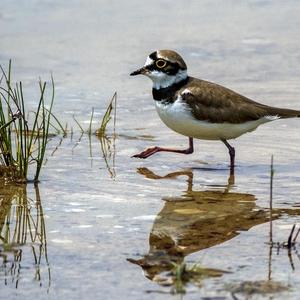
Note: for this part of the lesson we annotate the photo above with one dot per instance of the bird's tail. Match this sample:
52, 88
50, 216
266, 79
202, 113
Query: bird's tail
283, 112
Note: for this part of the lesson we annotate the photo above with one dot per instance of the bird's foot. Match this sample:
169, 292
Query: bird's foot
150, 151
146, 153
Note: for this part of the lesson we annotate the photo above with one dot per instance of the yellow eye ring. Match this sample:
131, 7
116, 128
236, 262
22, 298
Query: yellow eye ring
161, 63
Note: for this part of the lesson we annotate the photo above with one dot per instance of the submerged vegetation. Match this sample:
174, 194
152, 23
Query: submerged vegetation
182, 274
24, 135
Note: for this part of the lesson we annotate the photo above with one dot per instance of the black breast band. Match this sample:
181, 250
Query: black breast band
168, 92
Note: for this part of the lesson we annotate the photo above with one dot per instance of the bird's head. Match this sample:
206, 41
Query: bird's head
164, 68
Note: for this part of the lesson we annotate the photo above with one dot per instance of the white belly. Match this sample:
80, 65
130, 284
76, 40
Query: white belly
178, 117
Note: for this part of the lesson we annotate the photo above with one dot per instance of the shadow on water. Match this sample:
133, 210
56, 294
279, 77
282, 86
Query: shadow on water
197, 220
22, 227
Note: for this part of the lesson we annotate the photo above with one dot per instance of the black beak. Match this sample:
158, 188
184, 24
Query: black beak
138, 72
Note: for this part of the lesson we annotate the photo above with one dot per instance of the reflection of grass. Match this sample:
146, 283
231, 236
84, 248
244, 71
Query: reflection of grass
108, 153
23, 143
291, 242
21, 223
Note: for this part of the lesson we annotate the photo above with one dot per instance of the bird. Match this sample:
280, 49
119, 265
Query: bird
200, 109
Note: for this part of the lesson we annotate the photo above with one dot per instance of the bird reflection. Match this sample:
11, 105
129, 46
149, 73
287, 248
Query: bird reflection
197, 220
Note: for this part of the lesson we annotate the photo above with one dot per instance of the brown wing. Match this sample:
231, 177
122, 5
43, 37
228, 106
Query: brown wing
217, 104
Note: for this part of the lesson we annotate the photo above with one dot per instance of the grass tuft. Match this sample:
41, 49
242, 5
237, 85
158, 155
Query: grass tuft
23, 141
107, 116
182, 274
101, 131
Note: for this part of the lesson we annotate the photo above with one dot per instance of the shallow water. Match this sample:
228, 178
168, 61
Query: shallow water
109, 230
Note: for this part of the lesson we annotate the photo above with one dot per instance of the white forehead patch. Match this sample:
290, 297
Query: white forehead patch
149, 61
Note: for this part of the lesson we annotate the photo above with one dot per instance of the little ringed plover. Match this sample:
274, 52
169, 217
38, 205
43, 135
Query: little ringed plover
200, 109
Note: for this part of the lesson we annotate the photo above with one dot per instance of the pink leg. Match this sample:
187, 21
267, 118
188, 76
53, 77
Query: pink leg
150, 151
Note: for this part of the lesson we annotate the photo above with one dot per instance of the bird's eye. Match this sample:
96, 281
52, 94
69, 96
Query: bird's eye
161, 63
